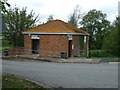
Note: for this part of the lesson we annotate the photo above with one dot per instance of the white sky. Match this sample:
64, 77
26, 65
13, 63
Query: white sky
62, 8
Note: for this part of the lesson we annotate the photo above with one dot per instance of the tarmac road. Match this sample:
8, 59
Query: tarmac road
66, 75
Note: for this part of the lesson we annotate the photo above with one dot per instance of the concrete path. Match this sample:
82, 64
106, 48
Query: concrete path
66, 75
59, 60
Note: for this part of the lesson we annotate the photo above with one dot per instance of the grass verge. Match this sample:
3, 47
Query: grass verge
5, 47
14, 82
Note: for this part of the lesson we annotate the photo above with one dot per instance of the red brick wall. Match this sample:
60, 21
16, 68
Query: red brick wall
76, 43
50, 45
53, 44
27, 44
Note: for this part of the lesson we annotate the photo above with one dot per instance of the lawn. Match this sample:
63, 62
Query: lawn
6, 47
14, 82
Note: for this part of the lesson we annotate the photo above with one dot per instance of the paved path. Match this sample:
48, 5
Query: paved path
66, 75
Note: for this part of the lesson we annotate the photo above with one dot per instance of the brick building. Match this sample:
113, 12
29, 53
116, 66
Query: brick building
55, 38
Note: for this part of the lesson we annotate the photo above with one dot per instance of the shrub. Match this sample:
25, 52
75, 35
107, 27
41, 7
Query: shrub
100, 53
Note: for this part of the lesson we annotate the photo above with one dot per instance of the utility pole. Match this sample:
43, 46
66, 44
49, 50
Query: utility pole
119, 9
2, 24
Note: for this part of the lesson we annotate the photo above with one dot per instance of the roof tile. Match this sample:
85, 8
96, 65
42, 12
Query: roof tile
56, 26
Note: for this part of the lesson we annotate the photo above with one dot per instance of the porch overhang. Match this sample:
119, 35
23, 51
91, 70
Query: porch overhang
55, 33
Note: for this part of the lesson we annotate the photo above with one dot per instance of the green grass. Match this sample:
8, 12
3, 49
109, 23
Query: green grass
14, 82
4, 44
6, 47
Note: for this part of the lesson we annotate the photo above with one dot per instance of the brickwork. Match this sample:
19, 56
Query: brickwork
54, 44
52, 39
50, 45
27, 44
76, 43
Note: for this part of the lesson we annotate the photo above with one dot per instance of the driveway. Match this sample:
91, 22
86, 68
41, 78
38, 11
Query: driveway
66, 75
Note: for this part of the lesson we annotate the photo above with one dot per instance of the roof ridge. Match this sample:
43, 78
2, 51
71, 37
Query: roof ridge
74, 28
67, 25
61, 22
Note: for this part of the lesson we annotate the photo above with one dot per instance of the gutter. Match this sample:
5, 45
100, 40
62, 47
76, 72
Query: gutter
54, 33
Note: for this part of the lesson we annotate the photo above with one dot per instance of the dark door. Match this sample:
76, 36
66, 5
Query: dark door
35, 46
70, 48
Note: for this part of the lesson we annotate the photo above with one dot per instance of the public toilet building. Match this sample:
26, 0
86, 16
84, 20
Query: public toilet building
55, 39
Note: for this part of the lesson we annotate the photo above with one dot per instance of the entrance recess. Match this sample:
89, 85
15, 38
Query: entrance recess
70, 48
35, 46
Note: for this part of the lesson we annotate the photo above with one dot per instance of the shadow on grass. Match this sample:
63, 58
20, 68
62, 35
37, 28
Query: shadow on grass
14, 82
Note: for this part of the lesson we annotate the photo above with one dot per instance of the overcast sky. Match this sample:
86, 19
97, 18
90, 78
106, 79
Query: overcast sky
62, 8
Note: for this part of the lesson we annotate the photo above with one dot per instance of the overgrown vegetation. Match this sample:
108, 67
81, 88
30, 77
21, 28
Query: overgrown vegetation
3, 9
96, 24
100, 53
111, 41
75, 16
18, 20
104, 38
50, 18
14, 82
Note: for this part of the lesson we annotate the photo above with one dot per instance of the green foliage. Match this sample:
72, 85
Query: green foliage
96, 24
74, 17
3, 4
112, 40
17, 21
100, 53
50, 18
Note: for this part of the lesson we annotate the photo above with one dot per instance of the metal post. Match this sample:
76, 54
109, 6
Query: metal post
87, 46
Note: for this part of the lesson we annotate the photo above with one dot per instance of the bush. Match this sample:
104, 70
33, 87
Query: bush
100, 53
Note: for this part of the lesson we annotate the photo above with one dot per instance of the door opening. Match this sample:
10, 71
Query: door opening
35, 46
70, 48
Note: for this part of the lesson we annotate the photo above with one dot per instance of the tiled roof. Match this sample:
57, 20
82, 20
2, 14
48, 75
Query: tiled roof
56, 26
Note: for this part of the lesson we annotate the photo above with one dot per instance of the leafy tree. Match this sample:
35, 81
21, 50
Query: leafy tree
112, 41
96, 24
17, 21
50, 18
74, 17
3, 4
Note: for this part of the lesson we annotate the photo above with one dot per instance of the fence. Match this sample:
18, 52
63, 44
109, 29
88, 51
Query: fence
82, 53
96, 53
21, 51
100, 53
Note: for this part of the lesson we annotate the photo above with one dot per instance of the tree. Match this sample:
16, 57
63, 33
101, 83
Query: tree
74, 17
96, 24
50, 18
112, 40
17, 21
3, 4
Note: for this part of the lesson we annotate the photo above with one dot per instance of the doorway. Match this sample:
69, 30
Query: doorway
35, 46
70, 48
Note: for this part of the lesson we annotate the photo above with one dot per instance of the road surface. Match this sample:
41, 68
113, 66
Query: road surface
66, 75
